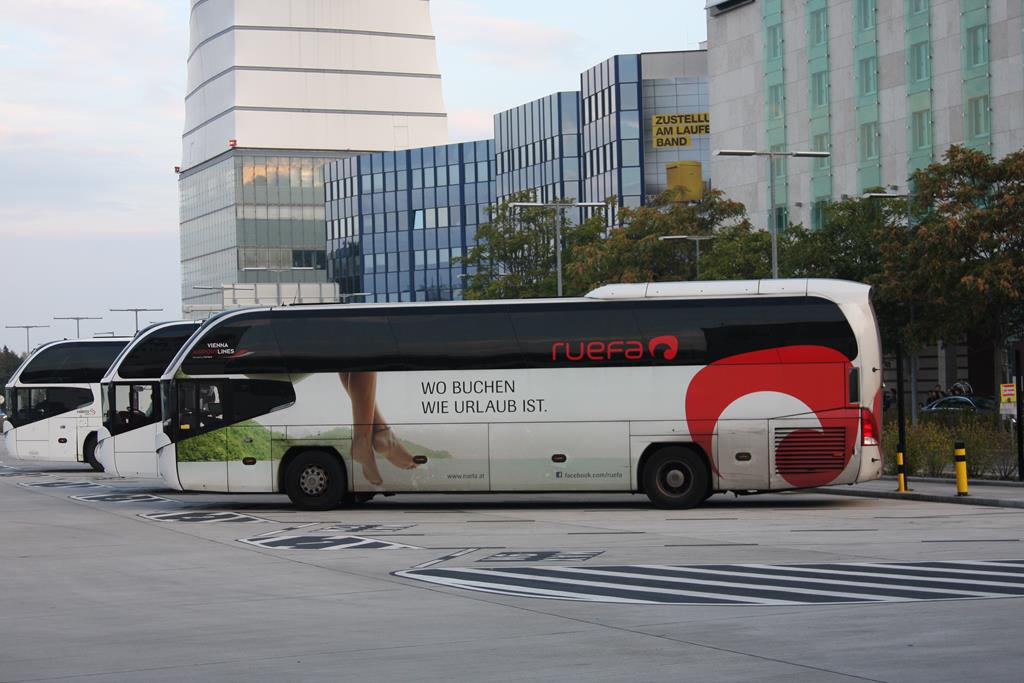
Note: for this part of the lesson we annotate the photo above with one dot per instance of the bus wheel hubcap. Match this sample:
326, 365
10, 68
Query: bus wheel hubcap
313, 480
675, 478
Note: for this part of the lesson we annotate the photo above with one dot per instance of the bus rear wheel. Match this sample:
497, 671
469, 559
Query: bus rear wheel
89, 453
315, 480
676, 478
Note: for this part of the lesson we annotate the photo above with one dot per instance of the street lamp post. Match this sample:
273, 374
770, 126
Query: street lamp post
693, 238
27, 328
771, 156
136, 311
561, 207
900, 412
78, 322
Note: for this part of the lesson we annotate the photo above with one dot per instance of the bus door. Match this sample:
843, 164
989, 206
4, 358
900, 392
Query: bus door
136, 409
201, 454
33, 429
742, 454
560, 456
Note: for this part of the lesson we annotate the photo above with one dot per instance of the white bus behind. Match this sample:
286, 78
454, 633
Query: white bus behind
53, 400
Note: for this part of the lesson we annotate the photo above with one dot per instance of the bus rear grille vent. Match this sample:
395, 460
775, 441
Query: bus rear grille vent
809, 450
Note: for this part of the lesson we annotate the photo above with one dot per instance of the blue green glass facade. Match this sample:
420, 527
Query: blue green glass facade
537, 148
396, 220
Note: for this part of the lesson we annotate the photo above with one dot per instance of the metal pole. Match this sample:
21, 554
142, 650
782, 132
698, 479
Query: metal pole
1020, 414
698, 258
771, 215
901, 415
558, 250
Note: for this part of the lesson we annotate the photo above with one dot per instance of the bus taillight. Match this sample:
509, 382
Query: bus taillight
868, 429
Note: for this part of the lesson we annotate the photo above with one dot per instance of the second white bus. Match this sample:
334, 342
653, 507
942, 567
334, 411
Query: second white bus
131, 399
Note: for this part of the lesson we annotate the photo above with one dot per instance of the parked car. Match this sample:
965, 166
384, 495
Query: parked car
953, 406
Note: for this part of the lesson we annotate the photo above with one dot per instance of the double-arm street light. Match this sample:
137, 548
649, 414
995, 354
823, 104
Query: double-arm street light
136, 311
345, 296
561, 207
693, 238
27, 328
78, 322
772, 155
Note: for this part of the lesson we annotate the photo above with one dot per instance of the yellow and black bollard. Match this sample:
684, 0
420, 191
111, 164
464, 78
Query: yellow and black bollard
901, 473
960, 462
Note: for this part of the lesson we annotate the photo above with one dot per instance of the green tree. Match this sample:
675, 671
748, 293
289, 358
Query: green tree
632, 251
514, 257
9, 362
964, 257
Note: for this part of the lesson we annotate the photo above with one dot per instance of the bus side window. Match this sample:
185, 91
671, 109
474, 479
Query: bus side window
211, 406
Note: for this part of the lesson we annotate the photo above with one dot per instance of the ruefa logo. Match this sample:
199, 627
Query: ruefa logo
665, 347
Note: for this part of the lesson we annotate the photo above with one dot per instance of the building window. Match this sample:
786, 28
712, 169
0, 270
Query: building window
820, 144
918, 6
869, 141
776, 101
774, 41
977, 117
779, 162
977, 45
819, 89
867, 70
819, 26
920, 57
921, 129
866, 14
818, 214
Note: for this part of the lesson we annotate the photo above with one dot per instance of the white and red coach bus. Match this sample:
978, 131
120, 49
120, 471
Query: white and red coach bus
677, 390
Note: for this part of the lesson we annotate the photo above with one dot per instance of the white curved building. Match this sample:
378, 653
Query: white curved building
275, 89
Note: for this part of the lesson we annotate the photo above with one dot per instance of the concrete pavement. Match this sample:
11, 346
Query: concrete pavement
108, 579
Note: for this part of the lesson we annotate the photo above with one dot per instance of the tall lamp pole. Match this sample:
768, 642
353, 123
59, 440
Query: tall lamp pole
28, 345
78, 322
771, 156
901, 417
136, 311
561, 207
693, 238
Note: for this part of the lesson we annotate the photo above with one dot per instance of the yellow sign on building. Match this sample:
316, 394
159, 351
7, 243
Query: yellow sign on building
678, 130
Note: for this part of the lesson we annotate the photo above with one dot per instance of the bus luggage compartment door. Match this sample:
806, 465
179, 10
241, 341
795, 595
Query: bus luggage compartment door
249, 465
63, 438
447, 457
742, 454
560, 456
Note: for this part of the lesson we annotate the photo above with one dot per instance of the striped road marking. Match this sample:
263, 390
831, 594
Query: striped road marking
743, 584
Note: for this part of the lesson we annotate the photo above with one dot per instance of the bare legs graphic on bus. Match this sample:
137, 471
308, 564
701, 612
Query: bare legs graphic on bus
370, 431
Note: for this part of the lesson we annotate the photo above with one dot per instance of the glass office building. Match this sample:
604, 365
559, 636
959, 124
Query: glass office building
396, 220
252, 216
621, 96
537, 148
275, 90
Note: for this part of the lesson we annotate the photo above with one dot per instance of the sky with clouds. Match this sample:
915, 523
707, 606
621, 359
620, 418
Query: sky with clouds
91, 111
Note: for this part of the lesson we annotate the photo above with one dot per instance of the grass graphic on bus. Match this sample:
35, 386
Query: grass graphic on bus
249, 440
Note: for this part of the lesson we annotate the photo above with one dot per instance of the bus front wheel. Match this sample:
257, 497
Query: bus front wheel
89, 453
315, 480
676, 478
